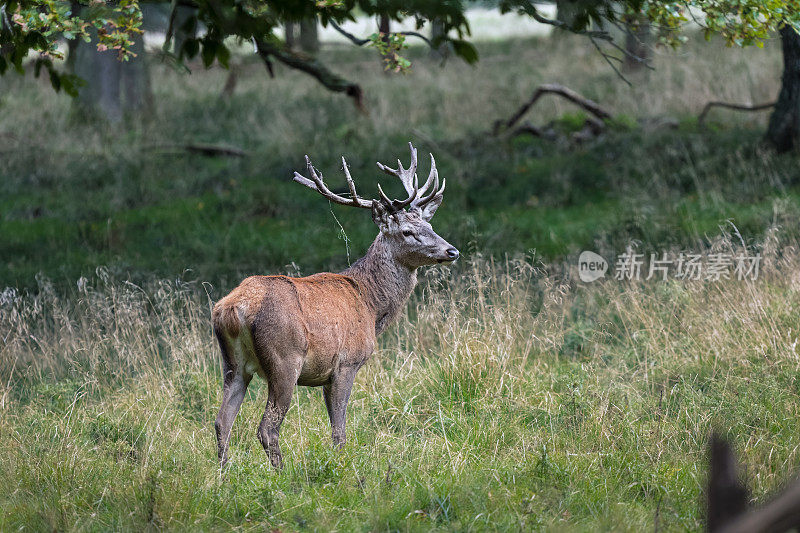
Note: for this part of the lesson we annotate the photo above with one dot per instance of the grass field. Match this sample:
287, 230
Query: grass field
510, 396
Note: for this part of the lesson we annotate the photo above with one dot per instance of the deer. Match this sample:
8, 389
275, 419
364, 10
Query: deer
319, 330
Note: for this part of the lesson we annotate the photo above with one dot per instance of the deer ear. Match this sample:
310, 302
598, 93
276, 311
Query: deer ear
428, 210
380, 215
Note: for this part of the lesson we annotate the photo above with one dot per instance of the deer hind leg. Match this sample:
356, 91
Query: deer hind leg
279, 398
235, 380
337, 394
233, 390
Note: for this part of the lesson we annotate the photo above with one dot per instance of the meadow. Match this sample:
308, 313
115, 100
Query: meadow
511, 395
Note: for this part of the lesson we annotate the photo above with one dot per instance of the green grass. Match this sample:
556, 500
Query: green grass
509, 399
510, 396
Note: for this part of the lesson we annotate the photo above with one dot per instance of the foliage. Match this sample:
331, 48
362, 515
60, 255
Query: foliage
747, 22
740, 22
389, 46
35, 27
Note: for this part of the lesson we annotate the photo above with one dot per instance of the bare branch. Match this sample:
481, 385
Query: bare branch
557, 89
608, 60
361, 42
355, 40
737, 107
531, 11
309, 65
635, 57
414, 34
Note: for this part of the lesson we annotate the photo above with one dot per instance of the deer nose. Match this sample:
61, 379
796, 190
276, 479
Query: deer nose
452, 254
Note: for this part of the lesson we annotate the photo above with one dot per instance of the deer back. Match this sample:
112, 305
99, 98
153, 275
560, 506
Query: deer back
322, 318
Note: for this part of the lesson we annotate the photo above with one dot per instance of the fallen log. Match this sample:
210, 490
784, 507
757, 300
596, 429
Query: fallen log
592, 107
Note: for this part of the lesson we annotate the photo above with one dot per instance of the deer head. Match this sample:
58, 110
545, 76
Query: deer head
403, 224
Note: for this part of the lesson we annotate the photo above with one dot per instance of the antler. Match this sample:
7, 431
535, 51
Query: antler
416, 195
318, 185
433, 178
408, 176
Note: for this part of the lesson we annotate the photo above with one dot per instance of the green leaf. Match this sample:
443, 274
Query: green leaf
209, 52
70, 83
223, 55
190, 48
465, 51
55, 79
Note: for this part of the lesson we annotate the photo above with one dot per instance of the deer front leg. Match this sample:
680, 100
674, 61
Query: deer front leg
233, 389
279, 399
337, 394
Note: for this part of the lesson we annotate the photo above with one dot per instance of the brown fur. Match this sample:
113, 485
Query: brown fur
324, 317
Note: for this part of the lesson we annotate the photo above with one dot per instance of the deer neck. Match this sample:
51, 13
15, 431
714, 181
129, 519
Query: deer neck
385, 283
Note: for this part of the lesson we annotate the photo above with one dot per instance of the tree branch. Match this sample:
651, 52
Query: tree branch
534, 14
737, 107
355, 40
608, 60
309, 65
361, 42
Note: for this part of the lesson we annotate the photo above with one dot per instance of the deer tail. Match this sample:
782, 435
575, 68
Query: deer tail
225, 318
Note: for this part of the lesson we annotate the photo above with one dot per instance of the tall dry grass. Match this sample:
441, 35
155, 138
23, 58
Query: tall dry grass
510, 395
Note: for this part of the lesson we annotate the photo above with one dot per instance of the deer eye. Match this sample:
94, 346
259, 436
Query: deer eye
407, 233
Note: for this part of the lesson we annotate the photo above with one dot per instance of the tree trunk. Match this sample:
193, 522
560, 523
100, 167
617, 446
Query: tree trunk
440, 51
113, 87
291, 29
383, 24
137, 95
179, 32
309, 38
784, 124
567, 12
384, 28
637, 42
100, 97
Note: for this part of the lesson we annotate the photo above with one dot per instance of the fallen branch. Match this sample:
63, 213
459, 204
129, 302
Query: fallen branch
526, 128
559, 90
737, 107
211, 150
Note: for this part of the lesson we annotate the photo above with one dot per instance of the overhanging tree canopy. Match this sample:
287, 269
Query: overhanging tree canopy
28, 26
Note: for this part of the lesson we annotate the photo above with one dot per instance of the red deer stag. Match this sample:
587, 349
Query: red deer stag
320, 330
